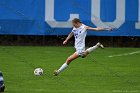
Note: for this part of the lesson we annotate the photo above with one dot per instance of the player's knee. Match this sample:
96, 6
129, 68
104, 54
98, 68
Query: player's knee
83, 56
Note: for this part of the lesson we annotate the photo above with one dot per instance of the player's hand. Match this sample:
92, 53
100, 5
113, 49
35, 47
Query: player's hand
109, 29
65, 42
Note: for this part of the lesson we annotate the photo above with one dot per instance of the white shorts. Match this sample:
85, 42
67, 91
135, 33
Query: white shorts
80, 52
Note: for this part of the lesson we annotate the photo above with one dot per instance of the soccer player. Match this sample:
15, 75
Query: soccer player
2, 87
79, 31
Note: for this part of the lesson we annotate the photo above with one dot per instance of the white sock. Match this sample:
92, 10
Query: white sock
63, 67
92, 48
1, 78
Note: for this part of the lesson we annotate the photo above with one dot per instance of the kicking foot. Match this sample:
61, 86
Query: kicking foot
100, 45
55, 73
2, 88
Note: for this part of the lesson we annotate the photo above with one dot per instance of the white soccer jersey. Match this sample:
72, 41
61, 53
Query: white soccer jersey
80, 35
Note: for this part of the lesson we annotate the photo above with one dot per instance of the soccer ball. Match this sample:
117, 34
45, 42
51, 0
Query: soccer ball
38, 72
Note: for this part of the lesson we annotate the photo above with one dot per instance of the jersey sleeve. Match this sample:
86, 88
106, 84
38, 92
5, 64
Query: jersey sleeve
72, 30
85, 26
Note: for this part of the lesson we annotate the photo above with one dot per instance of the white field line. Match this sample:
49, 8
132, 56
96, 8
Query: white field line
125, 54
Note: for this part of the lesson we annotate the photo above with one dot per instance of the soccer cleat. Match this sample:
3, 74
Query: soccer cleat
55, 73
2, 88
100, 45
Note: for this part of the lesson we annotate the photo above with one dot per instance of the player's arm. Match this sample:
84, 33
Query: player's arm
68, 38
97, 29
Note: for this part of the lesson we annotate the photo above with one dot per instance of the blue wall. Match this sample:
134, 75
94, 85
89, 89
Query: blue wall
27, 17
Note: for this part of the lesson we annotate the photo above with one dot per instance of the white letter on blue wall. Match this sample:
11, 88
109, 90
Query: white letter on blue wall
49, 16
120, 14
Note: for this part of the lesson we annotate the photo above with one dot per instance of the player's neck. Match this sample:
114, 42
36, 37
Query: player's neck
79, 25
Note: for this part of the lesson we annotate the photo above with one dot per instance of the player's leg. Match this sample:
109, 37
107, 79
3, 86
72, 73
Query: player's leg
65, 65
2, 87
91, 49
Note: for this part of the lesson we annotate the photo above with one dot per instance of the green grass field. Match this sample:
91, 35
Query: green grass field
97, 73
